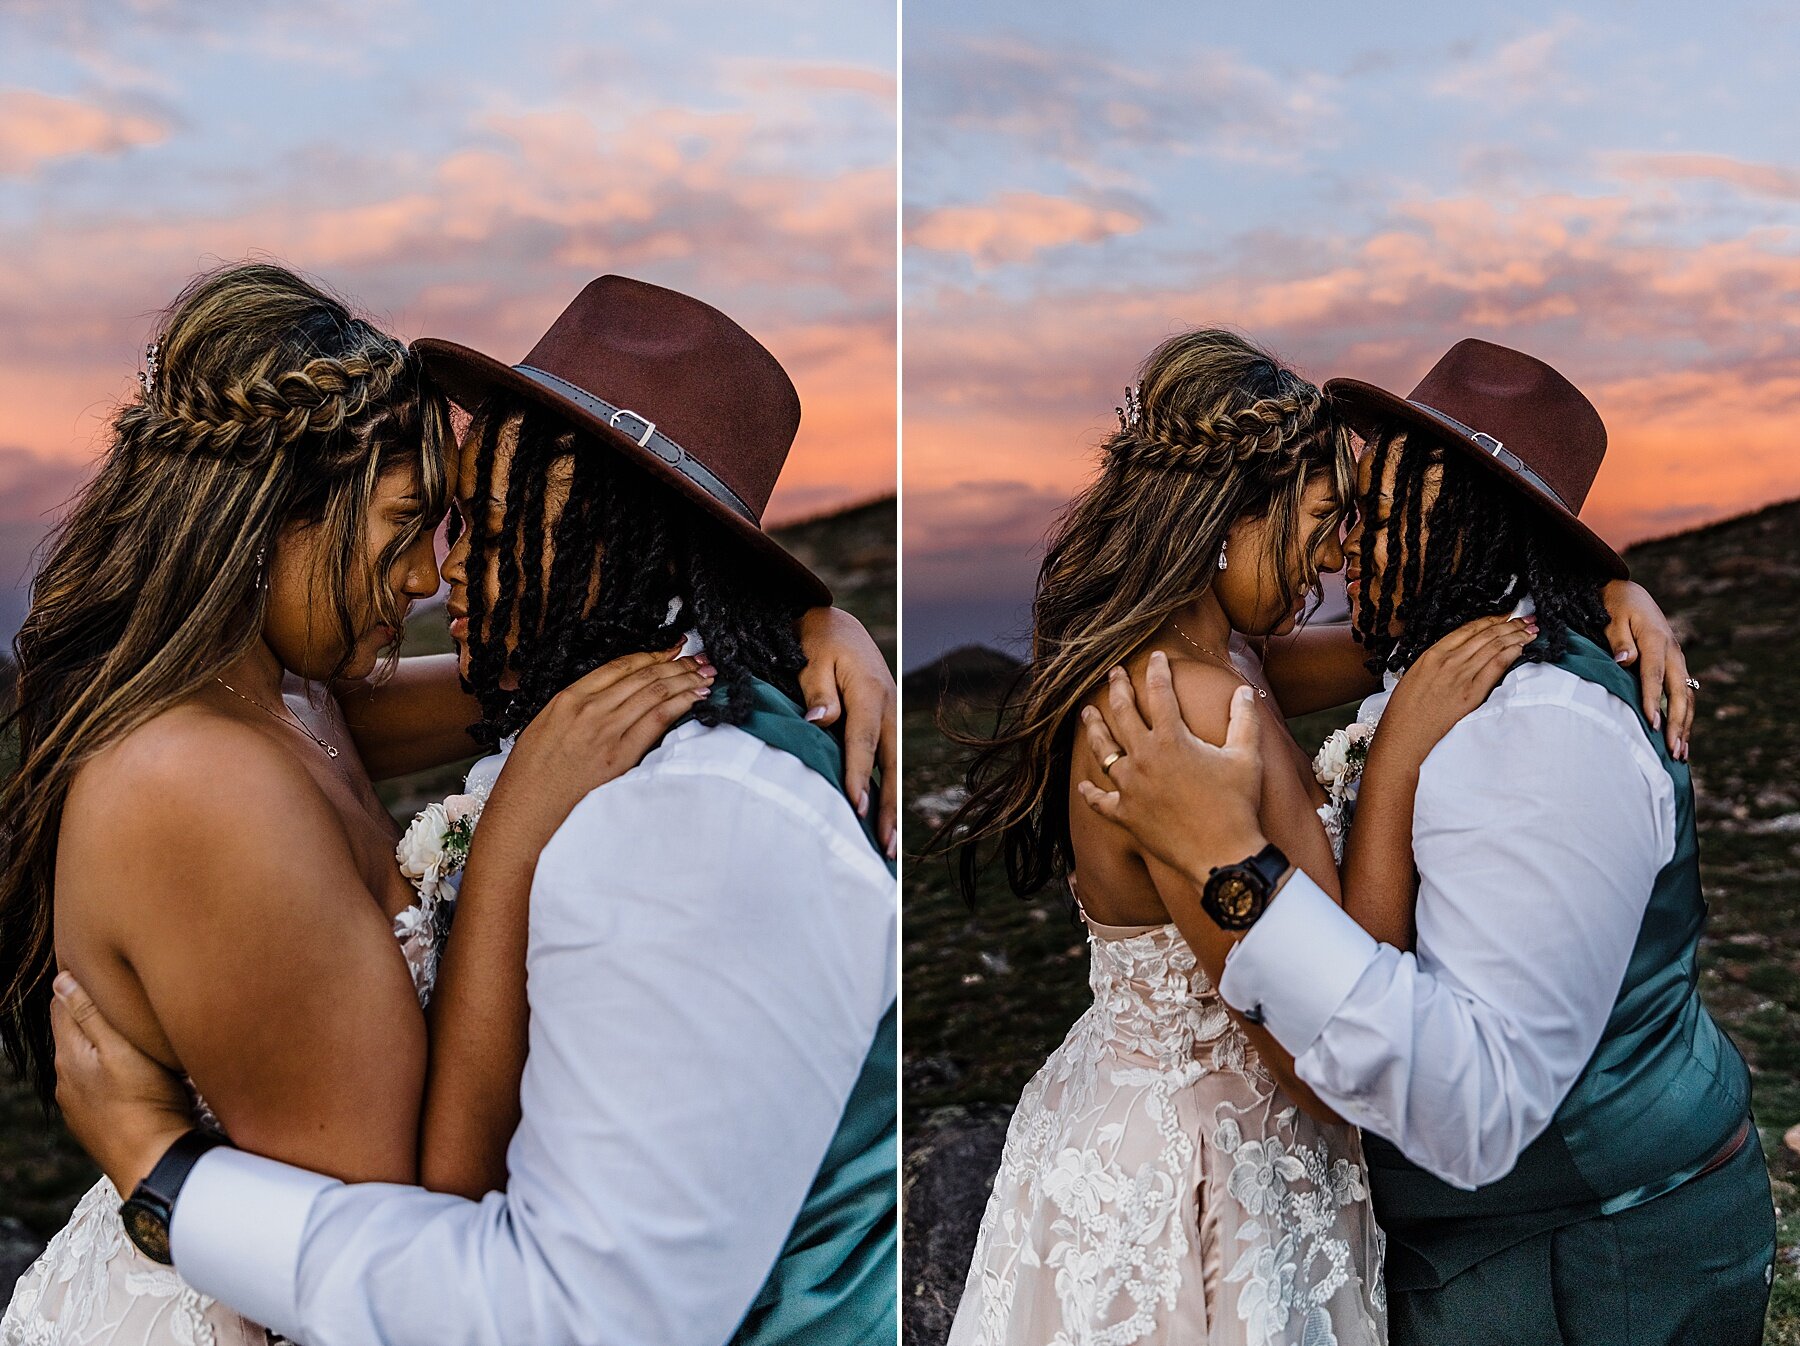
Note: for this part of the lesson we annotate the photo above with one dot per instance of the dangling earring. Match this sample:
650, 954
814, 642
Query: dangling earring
1222, 547
262, 573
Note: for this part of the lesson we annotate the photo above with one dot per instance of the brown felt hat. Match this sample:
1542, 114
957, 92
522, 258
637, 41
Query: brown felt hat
1528, 423
671, 383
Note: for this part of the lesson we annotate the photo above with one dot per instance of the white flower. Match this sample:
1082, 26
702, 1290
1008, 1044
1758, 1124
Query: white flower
1077, 1279
458, 807
1079, 1184
1260, 1177
1347, 1183
421, 850
1267, 1298
1359, 733
1333, 759
1227, 1137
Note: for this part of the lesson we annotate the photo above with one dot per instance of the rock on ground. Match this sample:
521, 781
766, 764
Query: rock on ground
951, 1158
19, 1248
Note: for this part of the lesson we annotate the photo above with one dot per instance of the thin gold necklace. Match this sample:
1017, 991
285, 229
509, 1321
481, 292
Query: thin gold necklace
290, 719
1221, 658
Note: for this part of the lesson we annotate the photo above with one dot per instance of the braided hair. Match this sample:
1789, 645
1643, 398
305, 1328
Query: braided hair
1461, 545
632, 566
272, 404
1217, 430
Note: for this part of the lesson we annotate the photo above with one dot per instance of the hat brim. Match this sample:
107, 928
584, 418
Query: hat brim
468, 378
1366, 407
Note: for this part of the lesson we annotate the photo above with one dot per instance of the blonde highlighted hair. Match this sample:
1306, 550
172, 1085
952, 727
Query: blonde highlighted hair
1218, 430
272, 403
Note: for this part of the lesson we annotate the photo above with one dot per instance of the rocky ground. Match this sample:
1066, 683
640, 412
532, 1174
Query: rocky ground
42, 1171
990, 991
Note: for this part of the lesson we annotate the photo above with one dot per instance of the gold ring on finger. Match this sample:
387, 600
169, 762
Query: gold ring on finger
1111, 757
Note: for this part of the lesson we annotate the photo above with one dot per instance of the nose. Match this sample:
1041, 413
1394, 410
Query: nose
1331, 554
419, 578
456, 560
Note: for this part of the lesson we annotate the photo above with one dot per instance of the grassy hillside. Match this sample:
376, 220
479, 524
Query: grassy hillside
989, 992
42, 1172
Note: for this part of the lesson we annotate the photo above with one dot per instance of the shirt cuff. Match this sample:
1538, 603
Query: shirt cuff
1297, 964
237, 1229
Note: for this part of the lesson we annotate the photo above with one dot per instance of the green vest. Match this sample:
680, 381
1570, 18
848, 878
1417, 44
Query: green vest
1663, 1093
837, 1278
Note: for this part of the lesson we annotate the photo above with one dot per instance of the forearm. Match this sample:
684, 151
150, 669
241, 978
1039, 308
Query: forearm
415, 719
1211, 945
479, 1019
1317, 667
1380, 886
333, 1265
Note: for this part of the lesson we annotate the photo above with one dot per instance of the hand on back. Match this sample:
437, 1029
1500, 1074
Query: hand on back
1185, 801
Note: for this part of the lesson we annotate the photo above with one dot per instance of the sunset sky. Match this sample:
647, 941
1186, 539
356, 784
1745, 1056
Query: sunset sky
458, 169
1614, 189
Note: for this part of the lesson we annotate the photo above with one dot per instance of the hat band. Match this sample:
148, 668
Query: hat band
646, 436
1495, 450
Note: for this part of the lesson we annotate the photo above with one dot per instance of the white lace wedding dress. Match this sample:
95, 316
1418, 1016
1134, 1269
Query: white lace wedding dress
92, 1287
1158, 1187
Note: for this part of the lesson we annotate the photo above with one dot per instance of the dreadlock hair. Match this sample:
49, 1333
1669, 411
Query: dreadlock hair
1460, 545
269, 403
633, 565
1217, 430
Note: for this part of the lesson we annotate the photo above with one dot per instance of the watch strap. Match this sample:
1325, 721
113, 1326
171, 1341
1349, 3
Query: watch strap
163, 1185
1258, 874
1271, 862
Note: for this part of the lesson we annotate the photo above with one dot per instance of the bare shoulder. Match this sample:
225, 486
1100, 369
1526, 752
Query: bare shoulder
188, 762
192, 792
1204, 690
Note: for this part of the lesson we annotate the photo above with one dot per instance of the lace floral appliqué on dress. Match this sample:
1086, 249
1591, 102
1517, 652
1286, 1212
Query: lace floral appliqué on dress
92, 1287
1157, 1187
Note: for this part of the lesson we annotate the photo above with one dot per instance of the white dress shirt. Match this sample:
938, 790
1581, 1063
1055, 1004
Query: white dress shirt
1539, 826
712, 944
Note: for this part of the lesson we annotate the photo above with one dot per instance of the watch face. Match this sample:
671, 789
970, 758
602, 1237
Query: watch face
1235, 896
147, 1229
1237, 899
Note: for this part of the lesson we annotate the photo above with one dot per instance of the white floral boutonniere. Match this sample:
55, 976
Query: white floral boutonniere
1340, 762
436, 845
1338, 767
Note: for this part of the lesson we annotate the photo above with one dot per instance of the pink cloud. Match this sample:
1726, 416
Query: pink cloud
1755, 179
761, 76
1015, 225
486, 247
38, 127
1691, 353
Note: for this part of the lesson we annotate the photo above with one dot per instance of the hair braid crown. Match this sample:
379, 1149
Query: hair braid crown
1169, 437
267, 413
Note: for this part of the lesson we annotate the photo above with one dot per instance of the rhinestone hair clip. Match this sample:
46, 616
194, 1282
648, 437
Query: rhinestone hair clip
152, 363
1131, 415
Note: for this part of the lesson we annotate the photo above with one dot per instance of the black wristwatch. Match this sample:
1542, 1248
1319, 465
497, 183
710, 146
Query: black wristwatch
149, 1209
1236, 894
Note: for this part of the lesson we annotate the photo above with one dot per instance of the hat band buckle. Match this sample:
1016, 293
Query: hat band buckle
643, 440
1498, 451
649, 438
